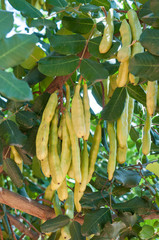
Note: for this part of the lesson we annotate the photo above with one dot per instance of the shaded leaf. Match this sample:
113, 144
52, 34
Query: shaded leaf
92, 70
137, 92
16, 49
104, 3
68, 44
34, 76
97, 93
95, 221
52, 225
6, 22
154, 6
58, 66
25, 8
43, 22
145, 65
112, 67
147, 232
128, 218
78, 25
84, 1
58, 3
115, 106
134, 134
40, 103
150, 40
89, 8
29, 146
36, 168
11, 135
75, 230
13, 88
26, 119
153, 167
151, 20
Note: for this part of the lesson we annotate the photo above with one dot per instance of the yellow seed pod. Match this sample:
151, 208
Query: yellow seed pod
62, 191
67, 97
49, 193
17, 158
42, 141
124, 52
146, 138
65, 232
70, 171
77, 112
112, 150
87, 114
130, 112
77, 197
151, 97
45, 167
112, 84
50, 108
107, 38
60, 128
123, 74
121, 154
20, 166
84, 167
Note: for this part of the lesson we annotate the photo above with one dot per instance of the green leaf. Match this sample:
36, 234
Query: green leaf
150, 40
134, 134
52, 225
36, 168
13, 171
93, 48
84, 1
104, 3
145, 65
13, 88
16, 49
40, 103
43, 22
58, 3
151, 20
112, 67
29, 146
128, 218
154, 6
6, 22
26, 119
89, 8
92, 70
78, 25
25, 8
1, 152
75, 230
97, 93
147, 232
153, 167
115, 106
68, 44
11, 135
58, 66
34, 76
137, 92
95, 221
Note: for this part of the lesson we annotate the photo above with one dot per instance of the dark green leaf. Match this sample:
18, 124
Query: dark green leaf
29, 146
89, 8
13, 88
58, 3
115, 106
43, 22
75, 230
128, 178
34, 76
26, 119
112, 67
11, 135
20, 46
58, 66
145, 65
147, 232
93, 48
128, 218
25, 8
52, 225
6, 22
40, 103
151, 20
134, 134
2, 103
19, 71
150, 40
1, 152
68, 44
155, 137
95, 221
84, 1
137, 92
78, 25
104, 3
13, 171
97, 93
92, 70
36, 168
154, 6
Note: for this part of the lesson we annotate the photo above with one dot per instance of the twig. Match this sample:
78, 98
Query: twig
30, 225
85, 48
105, 12
14, 237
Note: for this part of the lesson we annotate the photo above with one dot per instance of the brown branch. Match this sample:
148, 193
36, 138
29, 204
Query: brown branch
22, 228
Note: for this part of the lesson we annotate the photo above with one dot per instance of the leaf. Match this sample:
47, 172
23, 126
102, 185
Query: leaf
93, 48
34, 76
145, 65
128, 218
58, 3
97, 93
151, 20
26, 119
115, 106
13, 171
75, 230
89, 8
20, 46
134, 134
137, 92
13, 88
84, 1
52, 225
150, 40
6, 22
153, 167
92, 70
68, 44
26, 8
40, 103
154, 6
43, 22
147, 232
29, 146
11, 135
128, 178
95, 221
58, 66
1, 152
36, 168
112, 67
104, 3
78, 25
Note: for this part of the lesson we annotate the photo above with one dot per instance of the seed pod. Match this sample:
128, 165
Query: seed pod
130, 112
121, 154
17, 158
67, 97
45, 167
123, 74
151, 97
112, 84
87, 114
49, 194
62, 191
84, 168
146, 138
77, 197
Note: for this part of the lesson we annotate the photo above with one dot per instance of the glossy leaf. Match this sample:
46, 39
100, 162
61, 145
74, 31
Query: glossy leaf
104, 3
16, 49
58, 3
52, 225
145, 65
6, 22
115, 106
75, 230
43, 22
25, 8
150, 40
78, 25
92, 70
13, 88
58, 66
137, 92
89, 8
68, 44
